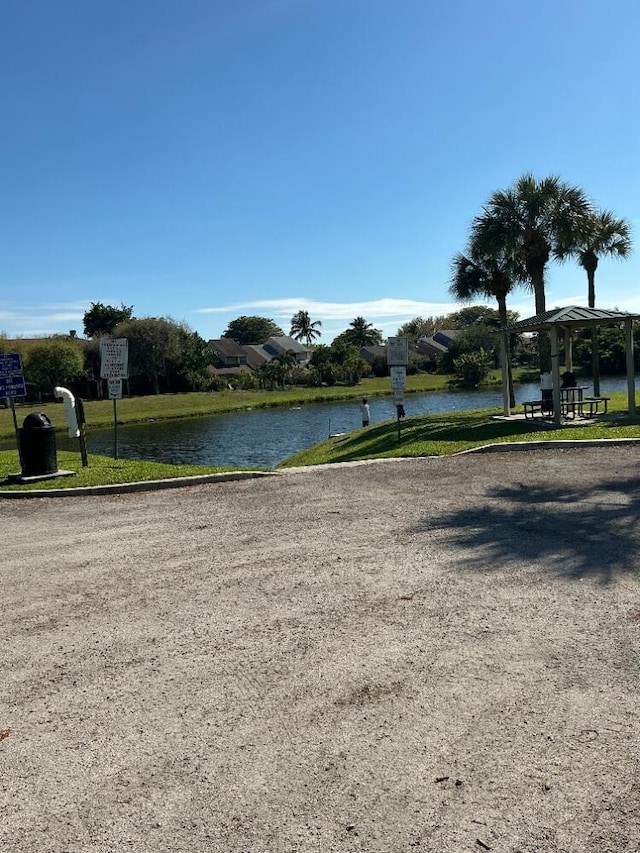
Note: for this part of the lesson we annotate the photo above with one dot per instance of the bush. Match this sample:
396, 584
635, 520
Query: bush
472, 368
379, 366
53, 362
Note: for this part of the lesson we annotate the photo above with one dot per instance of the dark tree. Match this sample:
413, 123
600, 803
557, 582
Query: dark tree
419, 327
252, 330
192, 368
162, 352
102, 319
339, 362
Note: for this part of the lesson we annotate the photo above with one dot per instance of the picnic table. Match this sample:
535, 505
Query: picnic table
572, 402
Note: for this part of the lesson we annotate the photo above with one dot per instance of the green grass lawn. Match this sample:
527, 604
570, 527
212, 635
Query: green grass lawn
453, 432
101, 471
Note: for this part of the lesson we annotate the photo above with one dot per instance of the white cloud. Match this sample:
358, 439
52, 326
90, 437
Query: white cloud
66, 307
42, 319
380, 308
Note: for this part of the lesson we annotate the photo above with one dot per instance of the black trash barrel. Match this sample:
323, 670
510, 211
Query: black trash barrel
38, 446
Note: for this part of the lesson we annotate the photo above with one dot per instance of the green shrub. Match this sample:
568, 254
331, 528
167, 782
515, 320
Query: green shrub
472, 368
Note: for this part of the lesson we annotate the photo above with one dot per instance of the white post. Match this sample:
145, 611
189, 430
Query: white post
568, 349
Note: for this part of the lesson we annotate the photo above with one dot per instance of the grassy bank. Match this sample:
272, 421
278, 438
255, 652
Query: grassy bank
101, 471
453, 432
135, 410
423, 435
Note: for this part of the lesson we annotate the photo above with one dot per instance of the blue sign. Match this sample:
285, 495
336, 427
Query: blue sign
11, 377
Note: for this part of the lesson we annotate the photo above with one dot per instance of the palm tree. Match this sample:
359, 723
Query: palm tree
285, 361
304, 329
362, 334
604, 235
484, 274
268, 374
534, 221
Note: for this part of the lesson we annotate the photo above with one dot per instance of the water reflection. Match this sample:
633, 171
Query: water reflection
264, 437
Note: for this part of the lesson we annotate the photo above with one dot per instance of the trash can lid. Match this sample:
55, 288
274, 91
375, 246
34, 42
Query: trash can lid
36, 420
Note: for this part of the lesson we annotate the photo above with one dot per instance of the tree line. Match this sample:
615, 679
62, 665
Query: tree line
167, 356
256, 330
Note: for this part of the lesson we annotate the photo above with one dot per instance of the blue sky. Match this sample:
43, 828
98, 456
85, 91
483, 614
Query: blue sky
203, 159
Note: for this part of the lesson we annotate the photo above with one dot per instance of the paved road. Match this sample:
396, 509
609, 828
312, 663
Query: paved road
432, 654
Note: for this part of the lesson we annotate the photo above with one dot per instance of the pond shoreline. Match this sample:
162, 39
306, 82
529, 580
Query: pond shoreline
298, 397
259, 435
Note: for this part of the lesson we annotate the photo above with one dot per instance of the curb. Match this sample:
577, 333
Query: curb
140, 486
555, 444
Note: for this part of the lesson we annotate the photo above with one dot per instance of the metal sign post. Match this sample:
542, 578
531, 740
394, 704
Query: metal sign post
115, 394
397, 359
114, 367
12, 403
115, 429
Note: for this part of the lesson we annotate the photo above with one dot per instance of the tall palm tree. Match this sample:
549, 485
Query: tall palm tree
535, 221
362, 334
485, 274
604, 235
304, 329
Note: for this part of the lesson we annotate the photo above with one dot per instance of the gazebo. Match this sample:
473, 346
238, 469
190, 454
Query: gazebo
565, 321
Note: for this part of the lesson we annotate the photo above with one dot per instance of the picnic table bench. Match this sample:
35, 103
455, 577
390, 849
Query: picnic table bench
593, 404
537, 408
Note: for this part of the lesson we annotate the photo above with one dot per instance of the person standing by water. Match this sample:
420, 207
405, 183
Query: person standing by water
366, 412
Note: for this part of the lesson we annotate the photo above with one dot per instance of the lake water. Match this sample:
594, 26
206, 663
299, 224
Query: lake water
262, 438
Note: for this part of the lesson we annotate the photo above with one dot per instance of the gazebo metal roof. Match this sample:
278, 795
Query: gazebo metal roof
571, 317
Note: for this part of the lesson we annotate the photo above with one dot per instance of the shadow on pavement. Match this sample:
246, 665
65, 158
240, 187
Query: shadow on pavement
571, 532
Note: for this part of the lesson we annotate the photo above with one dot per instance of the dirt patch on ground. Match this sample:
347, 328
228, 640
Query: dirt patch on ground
433, 654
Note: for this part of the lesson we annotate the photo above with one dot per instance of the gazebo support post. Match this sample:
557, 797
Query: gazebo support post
506, 407
555, 374
595, 361
631, 385
568, 349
